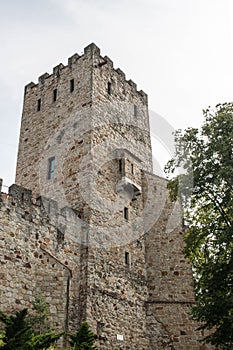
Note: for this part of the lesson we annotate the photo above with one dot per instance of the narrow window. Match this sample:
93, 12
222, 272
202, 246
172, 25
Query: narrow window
132, 169
39, 105
120, 165
71, 85
127, 258
54, 95
126, 213
109, 88
135, 111
51, 168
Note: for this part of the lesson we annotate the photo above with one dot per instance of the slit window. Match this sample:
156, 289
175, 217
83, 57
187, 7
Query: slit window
135, 110
127, 262
126, 213
120, 165
51, 168
109, 88
71, 85
54, 95
132, 169
39, 105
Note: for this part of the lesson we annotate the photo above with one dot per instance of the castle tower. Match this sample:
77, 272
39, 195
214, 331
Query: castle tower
84, 110
85, 150
84, 142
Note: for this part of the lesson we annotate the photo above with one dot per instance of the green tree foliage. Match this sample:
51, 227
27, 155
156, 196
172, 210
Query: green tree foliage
19, 335
206, 192
17, 331
83, 339
42, 341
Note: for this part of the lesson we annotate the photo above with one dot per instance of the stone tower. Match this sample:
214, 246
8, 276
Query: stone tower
99, 215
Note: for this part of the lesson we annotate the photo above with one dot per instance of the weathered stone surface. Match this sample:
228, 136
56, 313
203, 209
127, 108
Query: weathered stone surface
95, 232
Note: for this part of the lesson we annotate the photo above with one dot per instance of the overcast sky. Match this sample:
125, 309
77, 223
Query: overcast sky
180, 52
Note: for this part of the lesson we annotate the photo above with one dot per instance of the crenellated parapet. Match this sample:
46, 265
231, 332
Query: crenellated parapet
20, 194
41, 209
76, 60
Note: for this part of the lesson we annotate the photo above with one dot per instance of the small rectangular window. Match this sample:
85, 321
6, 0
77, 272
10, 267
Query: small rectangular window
39, 105
51, 168
71, 85
126, 213
54, 95
132, 169
127, 262
135, 111
109, 88
120, 165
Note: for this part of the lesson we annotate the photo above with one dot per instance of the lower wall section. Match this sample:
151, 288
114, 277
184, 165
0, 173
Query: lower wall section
140, 304
119, 323
171, 327
27, 273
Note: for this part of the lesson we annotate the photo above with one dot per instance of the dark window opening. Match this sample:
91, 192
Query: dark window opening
120, 165
51, 168
127, 258
132, 169
54, 95
109, 88
135, 111
39, 105
126, 213
71, 85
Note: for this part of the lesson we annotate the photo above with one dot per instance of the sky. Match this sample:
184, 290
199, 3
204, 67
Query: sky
180, 52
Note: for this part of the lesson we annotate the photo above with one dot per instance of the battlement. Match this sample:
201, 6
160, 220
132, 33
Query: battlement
90, 52
21, 197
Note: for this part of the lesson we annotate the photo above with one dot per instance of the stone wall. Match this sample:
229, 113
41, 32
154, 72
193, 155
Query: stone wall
36, 261
39, 255
79, 127
169, 275
96, 235
145, 302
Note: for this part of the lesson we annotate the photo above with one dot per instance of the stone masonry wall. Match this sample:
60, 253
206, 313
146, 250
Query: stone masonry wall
38, 259
146, 301
102, 242
169, 276
73, 127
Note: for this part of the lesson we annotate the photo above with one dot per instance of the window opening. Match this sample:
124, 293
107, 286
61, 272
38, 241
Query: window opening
135, 111
54, 95
39, 105
126, 213
127, 258
120, 165
71, 85
109, 88
51, 168
132, 169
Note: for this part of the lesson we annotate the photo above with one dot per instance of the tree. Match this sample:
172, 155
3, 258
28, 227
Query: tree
18, 333
83, 339
205, 189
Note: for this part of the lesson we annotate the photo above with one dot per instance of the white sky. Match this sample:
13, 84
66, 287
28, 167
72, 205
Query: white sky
180, 52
